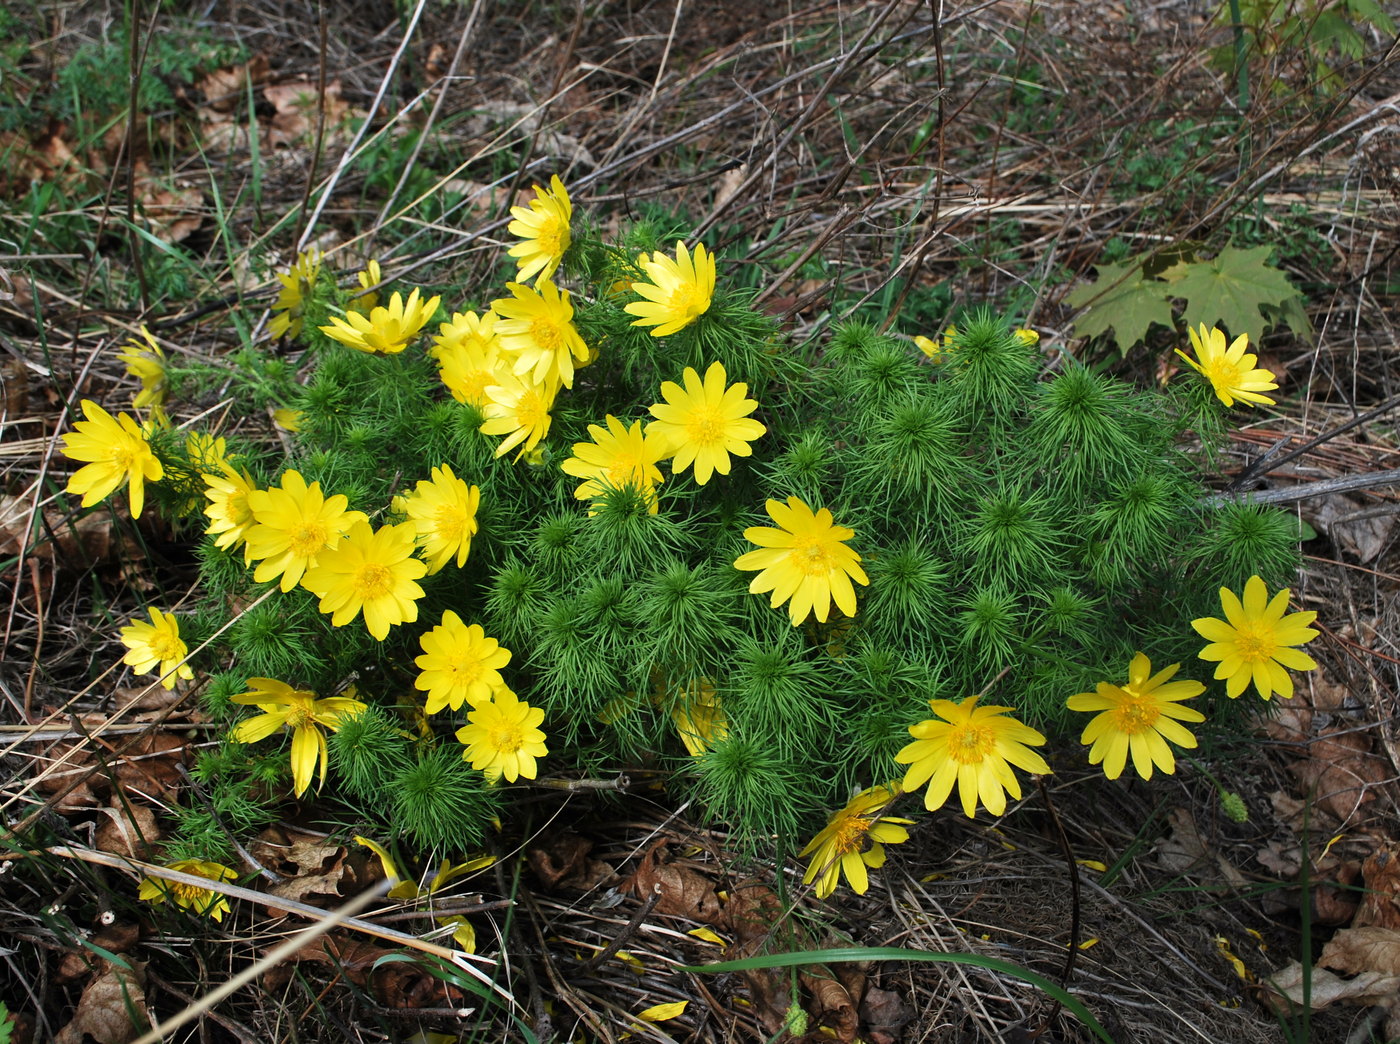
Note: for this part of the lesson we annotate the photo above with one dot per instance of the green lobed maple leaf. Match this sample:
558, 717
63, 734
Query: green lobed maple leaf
1126, 300
1232, 290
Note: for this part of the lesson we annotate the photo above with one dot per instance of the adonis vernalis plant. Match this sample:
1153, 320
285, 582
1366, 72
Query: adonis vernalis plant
619, 518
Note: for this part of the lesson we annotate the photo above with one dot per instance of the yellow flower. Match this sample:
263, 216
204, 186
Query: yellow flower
297, 284
1029, 338
1138, 718
929, 347
373, 571
973, 747
116, 451
230, 516
806, 560
156, 646
443, 513
287, 419
145, 362
367, 300
207, 452
700, 718
292, 524
503, 738
519, 411
703, 424
1230, 371
459, 665
615, 458
679, 293
469, 356
1255, 640
386, 330
544, 227
204, 901
408, 890
537, 333
839, 847
300, 711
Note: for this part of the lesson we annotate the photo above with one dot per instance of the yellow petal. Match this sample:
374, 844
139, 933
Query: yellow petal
662, 1012
707, 935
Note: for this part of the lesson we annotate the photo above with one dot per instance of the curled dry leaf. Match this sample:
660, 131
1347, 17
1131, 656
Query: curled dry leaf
683, 892
1359, 966
103, 1009
127, 829
1340, 773
562, 862
310, 868
1380, 905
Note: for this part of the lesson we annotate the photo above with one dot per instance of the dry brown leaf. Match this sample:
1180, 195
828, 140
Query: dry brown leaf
399, 985
174, 211
885, 1013
1326, 988
1380, 905
1334, 900
225, 89
1184, 849
297, 111
1356, 951
1340, 773
128, 829
683, 892
103, 1009
562, 862
309, 867
1365, 538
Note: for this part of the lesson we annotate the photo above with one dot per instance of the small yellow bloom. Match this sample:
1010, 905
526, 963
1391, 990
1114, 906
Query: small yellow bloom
370, 571
145, 362
840, 846
287, 419
292, 525
544, 227
680, 290
460, 664
805, 563
367, 300
503, 738
537, 334
1255, 641
156, 647
973, 747
615, 458
1140, 718
297, 284
518, 410
704, 423
443, 513
207, 902
386, 330
230, 516
300, 711
116, 452
699, 717
1231, 372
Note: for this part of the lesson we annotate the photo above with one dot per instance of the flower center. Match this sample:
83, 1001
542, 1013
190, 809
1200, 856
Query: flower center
1137, 715
190, 895
1255, 648
704, 426
530, 412
126, 456
465, 668
448, 522
551, 237
1221, 373
547, 334
685, 302
970, 744
506, 739
308, 538
850, 834
373, 580
809, 555
165, 646
237, 508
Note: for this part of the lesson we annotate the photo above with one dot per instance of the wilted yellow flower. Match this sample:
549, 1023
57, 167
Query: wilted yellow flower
297, 284
145, 362
300, 711
207, 902
840, 846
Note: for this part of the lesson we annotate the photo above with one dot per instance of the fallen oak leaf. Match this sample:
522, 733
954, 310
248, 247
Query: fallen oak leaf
106, 1008
1380, 906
